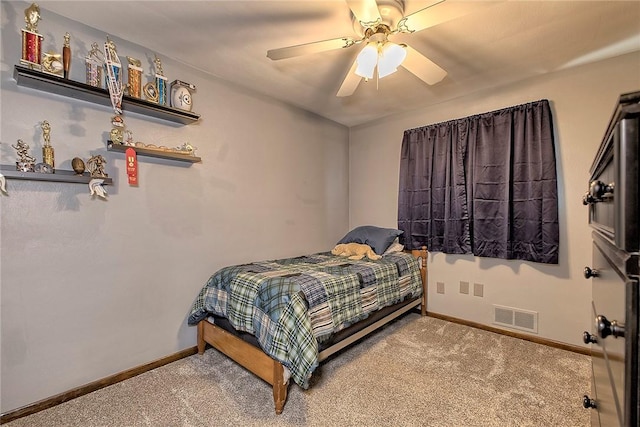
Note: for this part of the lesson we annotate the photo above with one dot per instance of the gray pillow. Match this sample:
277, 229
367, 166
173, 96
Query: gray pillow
378, 238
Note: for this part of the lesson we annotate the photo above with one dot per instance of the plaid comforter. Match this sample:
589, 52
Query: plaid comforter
292, 304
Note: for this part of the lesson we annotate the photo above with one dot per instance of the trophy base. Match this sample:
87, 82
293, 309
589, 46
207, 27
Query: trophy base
25, 166
31, 65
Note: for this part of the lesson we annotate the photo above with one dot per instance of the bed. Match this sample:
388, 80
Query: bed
279, 319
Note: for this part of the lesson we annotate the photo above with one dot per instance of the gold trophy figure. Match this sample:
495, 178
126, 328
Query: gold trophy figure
47, 149
31, 40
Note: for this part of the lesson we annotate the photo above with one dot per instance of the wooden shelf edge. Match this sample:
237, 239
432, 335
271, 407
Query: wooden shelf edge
39, 80
60, 175
153, 153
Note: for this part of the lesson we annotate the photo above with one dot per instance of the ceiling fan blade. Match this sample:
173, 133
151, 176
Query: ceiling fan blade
438, 12
425, 69
350, 83
307, 48
364, 10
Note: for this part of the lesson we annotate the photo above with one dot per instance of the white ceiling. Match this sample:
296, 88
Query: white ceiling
498, 44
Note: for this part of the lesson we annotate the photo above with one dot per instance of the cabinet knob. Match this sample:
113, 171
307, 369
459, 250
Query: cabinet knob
588, 199
587, 402
599, 190
606, 327
588, 338
590, 272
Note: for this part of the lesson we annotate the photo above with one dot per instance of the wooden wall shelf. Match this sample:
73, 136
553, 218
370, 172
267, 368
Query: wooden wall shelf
153, 153
55, 84
61, 175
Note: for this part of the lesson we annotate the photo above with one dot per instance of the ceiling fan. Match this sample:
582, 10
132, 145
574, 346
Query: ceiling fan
374, 23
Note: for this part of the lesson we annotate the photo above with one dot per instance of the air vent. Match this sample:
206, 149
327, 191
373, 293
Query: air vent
515, 318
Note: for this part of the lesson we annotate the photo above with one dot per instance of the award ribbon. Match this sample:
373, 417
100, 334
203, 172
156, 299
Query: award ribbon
132, 166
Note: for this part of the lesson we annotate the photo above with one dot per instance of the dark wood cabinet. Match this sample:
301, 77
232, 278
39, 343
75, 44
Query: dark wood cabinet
614, 209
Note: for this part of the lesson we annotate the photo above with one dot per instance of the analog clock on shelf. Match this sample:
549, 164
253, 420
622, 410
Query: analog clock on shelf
181, 93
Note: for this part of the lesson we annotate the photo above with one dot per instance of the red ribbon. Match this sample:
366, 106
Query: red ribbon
132, 166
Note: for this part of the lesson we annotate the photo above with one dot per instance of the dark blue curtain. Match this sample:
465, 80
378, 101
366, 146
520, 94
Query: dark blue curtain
484, 184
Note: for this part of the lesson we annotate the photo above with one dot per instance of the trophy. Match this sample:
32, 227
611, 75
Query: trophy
94, 61
47, 149
31, 40
134, 84
114, 81
161, 84
52, 63
66, 55
113, 75
95, 166
156, 91
26, 162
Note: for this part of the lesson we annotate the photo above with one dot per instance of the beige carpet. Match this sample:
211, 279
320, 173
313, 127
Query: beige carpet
415, 372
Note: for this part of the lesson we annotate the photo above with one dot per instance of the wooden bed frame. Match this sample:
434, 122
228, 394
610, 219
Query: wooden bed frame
272, 371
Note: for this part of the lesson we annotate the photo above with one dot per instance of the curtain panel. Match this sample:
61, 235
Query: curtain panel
484, 184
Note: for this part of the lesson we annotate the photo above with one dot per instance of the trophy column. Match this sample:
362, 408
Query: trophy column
31, 49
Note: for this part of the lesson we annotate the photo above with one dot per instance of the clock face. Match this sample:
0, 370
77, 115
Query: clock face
181, 98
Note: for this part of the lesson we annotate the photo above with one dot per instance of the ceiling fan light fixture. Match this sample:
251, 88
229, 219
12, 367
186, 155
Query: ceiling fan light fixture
367, 60
391, 56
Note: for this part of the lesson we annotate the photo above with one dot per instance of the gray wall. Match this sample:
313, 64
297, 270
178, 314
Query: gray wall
90, 288
582, 101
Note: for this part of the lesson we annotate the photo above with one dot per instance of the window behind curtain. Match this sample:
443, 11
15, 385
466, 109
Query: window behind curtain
484, 184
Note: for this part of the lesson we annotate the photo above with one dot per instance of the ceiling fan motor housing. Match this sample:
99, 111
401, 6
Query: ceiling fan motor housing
391, 12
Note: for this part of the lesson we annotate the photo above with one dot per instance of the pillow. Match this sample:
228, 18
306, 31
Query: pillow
393, 248
378, 238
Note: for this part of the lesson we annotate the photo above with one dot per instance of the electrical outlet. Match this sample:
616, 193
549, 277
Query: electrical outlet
440, 287
478, 289
464, 287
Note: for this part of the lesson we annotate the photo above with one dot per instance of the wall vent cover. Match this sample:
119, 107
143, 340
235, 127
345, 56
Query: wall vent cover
515, 318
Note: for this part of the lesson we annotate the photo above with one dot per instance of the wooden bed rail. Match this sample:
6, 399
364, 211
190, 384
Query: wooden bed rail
246, 355
422, 254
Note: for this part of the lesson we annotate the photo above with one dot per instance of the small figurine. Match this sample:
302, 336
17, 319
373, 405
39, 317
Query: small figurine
187, 148
158, 64
135, 62
46, 132
31, 17
26, 162
116, 135
129, 140
95, 165
96, 188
